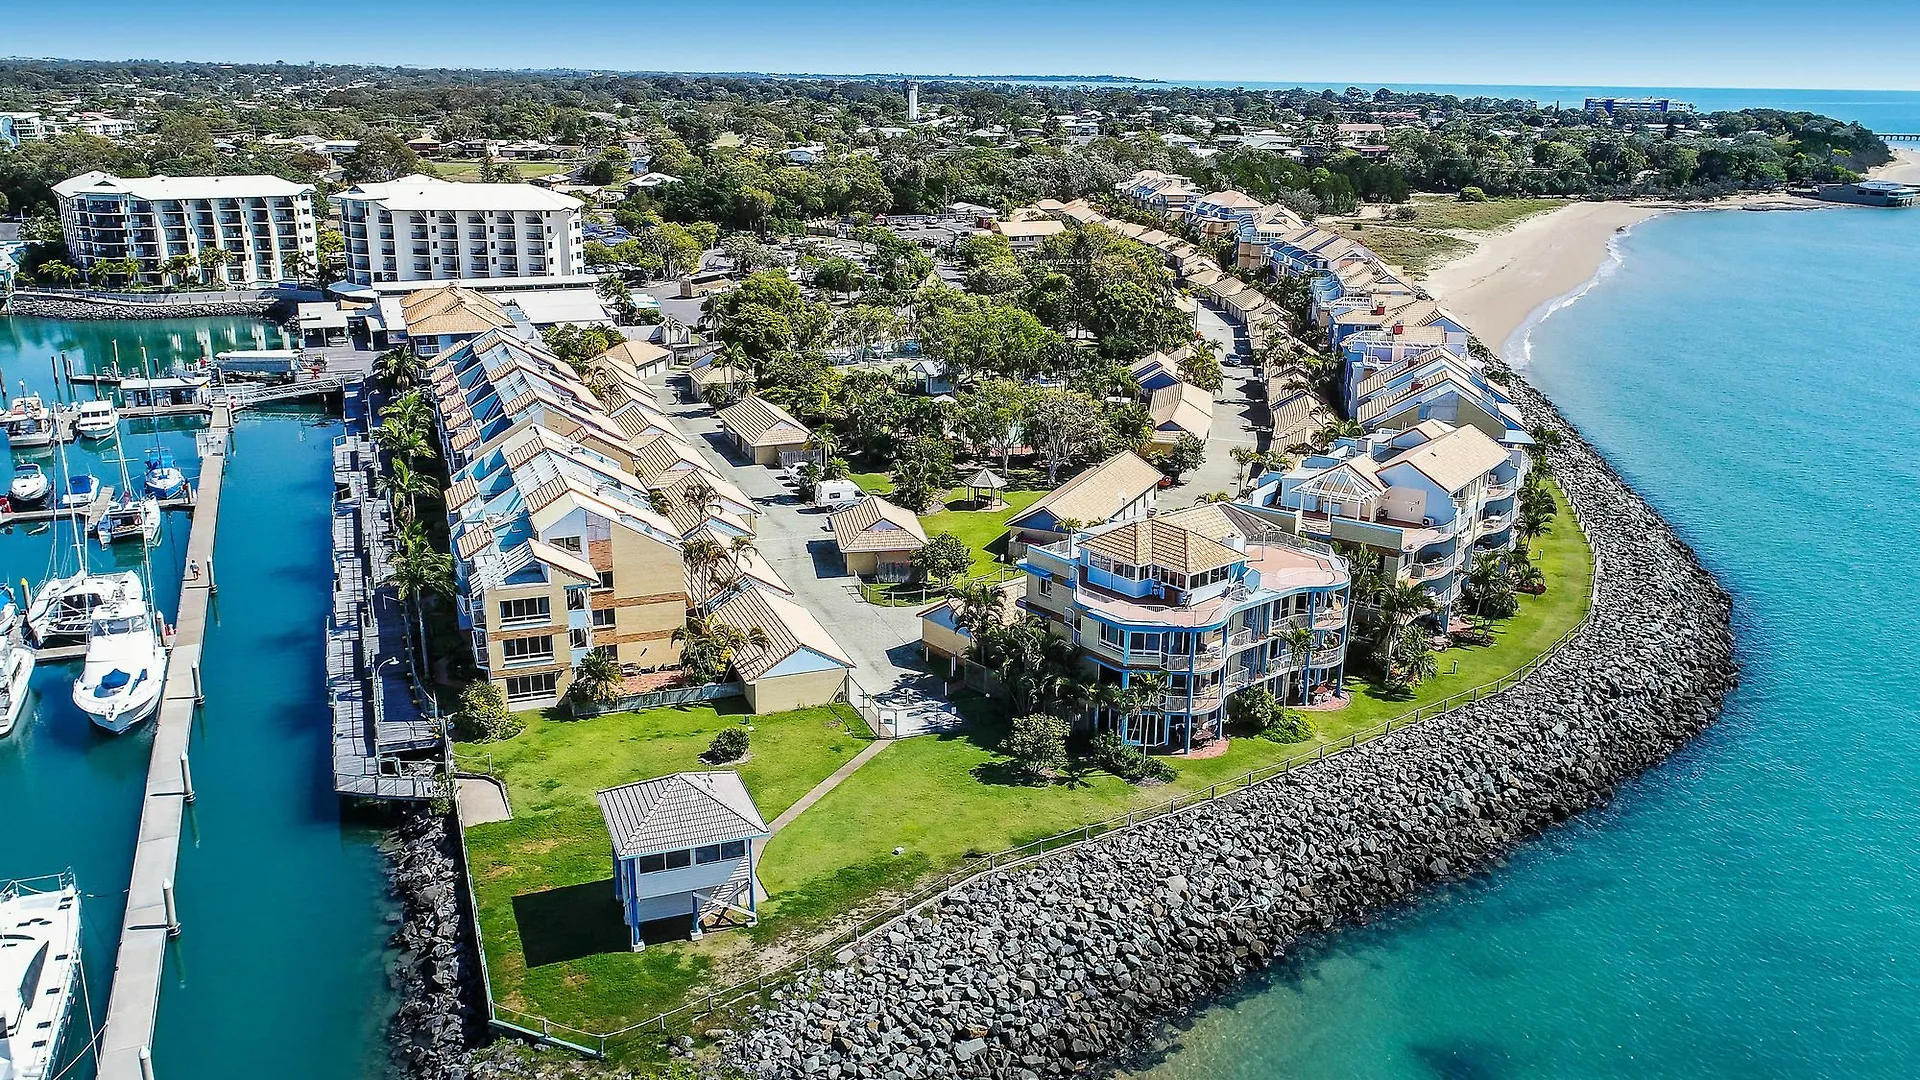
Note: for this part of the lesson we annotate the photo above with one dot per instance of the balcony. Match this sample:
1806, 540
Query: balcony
1494, 523
1502, 490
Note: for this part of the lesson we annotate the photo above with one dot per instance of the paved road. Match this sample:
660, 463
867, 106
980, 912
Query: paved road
884, 642
1235, 410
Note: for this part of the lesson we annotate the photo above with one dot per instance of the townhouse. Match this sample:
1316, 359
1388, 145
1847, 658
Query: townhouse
231, 230
1168, 193
1421, 499
1192, 608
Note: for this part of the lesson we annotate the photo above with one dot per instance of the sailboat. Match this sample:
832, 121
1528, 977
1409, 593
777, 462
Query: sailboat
16, 663
39, 972
62, 608
135, 517
164, 478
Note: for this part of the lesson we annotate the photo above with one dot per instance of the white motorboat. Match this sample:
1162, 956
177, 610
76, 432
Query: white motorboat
30, 484
39, 973
126, 666
81, 491
63, 607
16, 664
29, 423
96, 420
132, 518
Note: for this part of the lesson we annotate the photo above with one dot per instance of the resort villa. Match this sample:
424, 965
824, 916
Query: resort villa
1196, 606
1423, 499
877, 539
1122, 488
683, 851
765, 433
263, 227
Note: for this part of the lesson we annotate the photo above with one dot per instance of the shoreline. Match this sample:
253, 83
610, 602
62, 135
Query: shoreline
1517, 277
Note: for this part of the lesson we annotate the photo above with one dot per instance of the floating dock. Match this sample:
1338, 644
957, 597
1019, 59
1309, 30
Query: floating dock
149, 921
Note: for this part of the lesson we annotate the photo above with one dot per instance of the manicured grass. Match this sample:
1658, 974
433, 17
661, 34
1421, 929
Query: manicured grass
551, 866
1447, 212
941, 797
983, 530
873, 483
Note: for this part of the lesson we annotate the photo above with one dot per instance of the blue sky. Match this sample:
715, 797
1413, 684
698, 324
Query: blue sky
1747, 43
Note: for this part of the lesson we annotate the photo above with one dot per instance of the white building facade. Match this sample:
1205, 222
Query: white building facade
421, 229
263, 224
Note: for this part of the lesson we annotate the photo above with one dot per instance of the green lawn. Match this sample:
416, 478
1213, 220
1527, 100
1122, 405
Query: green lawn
873, 483
551, 865
936, 798
983, 530
469, 171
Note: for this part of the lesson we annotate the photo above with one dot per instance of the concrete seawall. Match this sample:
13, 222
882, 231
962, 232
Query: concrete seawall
1072, 964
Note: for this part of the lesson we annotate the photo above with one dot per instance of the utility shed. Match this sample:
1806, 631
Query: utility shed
683, 849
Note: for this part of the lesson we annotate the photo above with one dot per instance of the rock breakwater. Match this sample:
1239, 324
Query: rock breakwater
1072, 963
63, 307
434, 973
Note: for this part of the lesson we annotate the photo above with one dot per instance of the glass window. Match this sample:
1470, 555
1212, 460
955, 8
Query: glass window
606, 580
707, 854
527, 649
1046, 586
652, 864
1112, 635
525, 687
577, 638
733, 849
567, 543
527, 609
603, 617
678, 859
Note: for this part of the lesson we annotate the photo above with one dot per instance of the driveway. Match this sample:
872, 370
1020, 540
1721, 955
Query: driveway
1236, 409
884, 642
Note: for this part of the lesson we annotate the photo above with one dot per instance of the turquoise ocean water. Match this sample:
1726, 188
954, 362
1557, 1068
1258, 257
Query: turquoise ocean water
279, 971
1748, 908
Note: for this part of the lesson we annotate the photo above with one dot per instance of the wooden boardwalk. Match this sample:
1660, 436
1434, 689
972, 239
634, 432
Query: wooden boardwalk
141, 963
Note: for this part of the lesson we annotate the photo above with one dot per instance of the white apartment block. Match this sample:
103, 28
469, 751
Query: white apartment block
263, 223
419, 229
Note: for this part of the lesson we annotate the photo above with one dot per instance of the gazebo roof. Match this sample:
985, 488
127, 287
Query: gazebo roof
985, 479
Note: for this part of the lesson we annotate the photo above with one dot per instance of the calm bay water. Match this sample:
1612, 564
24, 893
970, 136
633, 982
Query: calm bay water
1746, 909
279, 971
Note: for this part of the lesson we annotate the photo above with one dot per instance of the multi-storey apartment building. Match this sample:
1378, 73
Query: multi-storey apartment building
558, 552
421, 229
1210, 600
263, 225
1422, 499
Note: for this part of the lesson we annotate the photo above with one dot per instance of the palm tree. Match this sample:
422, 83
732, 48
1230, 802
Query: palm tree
978, 606
176, 268
1546, 439
1536, 511
709, 645
596, 679
703, 557
1414, 658
401, 440
1338, 429
417, 572
1398, 606
398, 369
1299, 645
65, 273
1145, 692
1488, 577
826, 444
1105, 697
1216, 497
404, 485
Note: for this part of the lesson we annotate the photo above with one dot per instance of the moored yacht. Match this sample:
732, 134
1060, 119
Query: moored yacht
63, 607
39, 973
132, 518
29, 423
16, 663
81, 491
30, 484
96, 419
119, 685
164, 478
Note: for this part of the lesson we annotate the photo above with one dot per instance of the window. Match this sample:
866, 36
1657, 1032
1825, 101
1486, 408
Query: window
527, 687
733, 849
1112, 636
1046, 586
527, 650
567, 543
603, 617
577, 638
606, 581
652, 864
576, 599
710, 853
678, 859
530, 609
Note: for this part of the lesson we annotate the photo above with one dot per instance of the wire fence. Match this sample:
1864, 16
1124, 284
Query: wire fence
533, 1025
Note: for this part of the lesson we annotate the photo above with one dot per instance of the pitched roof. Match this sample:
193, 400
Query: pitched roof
760, 422
1455, 459
1098, 493
788, 626
1158, 542
874, 524
452, 309
684, 810
1184, 406
985, 479
1296, 417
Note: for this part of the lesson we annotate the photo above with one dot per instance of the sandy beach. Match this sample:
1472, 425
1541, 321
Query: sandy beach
1510, 274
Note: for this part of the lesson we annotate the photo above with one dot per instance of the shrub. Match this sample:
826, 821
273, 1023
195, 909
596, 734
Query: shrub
1472, 194
1126, 761
1405, 212
1037, 745
729, 745
483, 715
1258, 712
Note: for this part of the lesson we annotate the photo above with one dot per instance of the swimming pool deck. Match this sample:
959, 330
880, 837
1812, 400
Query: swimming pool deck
138, 969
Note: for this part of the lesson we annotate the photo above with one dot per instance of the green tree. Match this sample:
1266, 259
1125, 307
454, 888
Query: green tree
944, 558
483, 716
596, 680
380, 157
1036, 746
1185, 455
